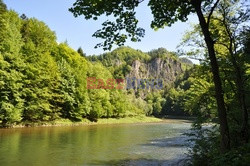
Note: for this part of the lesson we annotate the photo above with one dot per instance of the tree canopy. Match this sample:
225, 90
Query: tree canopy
43, 81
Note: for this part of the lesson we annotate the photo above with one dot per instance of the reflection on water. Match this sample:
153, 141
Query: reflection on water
131, 144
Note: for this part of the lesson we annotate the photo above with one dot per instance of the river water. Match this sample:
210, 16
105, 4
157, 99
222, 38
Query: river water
127, 144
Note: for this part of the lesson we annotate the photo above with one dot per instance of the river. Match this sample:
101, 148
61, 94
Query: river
123, 144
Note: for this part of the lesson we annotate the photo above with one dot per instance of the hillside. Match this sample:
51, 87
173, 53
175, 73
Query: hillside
157, 64
43, 81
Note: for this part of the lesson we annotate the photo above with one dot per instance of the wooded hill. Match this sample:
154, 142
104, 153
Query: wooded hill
42, 81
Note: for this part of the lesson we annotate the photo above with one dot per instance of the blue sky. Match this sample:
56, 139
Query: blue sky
78, 32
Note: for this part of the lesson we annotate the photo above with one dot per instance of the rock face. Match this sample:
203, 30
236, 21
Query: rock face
167, 70
159, 64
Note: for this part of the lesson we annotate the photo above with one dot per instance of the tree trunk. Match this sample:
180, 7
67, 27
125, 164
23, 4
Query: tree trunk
224, 130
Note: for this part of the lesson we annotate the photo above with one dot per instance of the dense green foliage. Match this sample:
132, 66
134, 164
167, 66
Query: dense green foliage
43, 81
231, 46
119, 61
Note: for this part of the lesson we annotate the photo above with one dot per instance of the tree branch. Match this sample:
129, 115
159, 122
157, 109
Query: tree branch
211, 12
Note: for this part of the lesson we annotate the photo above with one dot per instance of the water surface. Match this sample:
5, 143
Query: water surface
129, 144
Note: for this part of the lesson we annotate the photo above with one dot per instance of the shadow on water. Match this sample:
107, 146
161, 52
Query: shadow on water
141, 162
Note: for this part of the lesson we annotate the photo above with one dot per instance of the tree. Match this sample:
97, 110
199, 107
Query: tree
227, 26
38, 38
11, 65
3, 7
41, 73
165, 13
80, 51
42, 81
232, 24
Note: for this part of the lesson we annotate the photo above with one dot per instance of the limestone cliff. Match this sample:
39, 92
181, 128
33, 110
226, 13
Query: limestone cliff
157, 64
165, 69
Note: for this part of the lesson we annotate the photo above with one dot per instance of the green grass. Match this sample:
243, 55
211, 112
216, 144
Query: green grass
137, 119
67, 122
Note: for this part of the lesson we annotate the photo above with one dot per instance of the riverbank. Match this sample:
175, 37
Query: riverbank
67, 122
126, 120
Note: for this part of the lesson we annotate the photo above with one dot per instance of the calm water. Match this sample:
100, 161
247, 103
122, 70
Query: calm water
131, 144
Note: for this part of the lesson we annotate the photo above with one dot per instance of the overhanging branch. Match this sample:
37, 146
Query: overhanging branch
211, 12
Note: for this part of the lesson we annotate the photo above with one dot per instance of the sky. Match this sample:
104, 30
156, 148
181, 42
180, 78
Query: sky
78, 31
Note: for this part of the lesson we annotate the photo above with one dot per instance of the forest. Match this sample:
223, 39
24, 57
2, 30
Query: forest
42, 80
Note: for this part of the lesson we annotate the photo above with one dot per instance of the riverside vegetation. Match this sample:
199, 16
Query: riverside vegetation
42, 81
